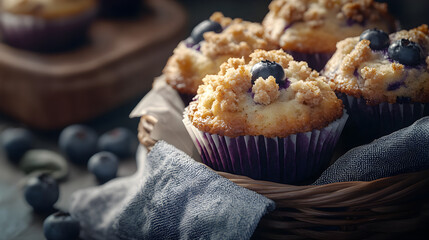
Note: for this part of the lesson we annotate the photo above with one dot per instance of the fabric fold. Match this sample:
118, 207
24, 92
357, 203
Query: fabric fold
171, 197
403, 151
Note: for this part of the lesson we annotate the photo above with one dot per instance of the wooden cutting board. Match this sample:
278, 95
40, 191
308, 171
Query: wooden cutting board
50, 91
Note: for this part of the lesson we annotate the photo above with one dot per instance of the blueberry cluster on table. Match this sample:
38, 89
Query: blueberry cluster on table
79, 144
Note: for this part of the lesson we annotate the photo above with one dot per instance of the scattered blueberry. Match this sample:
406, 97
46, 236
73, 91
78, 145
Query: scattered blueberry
15, 142
267, 68
61, 226
78, 142
406, 52
119, 141
203, 27
378, 38
41, 192
104, 165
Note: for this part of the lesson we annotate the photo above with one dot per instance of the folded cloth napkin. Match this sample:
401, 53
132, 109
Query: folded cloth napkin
164, 103
403, 151
170, 197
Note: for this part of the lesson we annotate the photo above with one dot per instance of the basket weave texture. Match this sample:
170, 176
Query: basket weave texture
395, 207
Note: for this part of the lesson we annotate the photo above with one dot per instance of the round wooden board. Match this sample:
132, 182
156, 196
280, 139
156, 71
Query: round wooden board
118, 63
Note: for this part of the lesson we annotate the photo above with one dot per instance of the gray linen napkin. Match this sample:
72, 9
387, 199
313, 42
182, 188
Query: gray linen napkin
171, 197
404, 151
97, 208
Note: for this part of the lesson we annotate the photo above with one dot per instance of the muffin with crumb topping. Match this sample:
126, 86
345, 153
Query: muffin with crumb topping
310, 29
46, 25
271, 118
211, 43
382, 79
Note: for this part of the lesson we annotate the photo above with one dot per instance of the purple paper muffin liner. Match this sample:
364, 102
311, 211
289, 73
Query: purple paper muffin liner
39, 34
375, 121
295, 159
317, 61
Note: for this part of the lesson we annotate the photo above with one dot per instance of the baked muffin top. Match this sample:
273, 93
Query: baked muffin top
272, 95
315, 26
386, 68
47, 8
192, 60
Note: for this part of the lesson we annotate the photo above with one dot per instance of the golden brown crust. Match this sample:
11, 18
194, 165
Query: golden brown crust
237, 40
265, 91
225, 104
47, 8
315, 26
365, 10
187, 67
358, 71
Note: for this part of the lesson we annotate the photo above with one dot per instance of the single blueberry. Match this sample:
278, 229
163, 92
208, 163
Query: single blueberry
119, 141
406, 52
189, 42
378, 38
61, 226
104, 165
78, 142
267, 68
42, 192
395, 85
203, 27
16, 142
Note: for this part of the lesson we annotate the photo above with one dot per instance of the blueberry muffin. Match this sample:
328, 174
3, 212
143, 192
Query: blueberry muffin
211, 43
382, 79
271, 118
310, 29
46, 25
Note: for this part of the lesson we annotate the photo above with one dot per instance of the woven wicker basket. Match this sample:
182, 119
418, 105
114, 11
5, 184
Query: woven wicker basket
389, 208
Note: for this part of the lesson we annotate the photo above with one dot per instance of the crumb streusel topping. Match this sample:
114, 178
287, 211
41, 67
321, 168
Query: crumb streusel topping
315, 26
229, 104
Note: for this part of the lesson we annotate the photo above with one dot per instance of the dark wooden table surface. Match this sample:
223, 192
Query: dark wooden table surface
12, 177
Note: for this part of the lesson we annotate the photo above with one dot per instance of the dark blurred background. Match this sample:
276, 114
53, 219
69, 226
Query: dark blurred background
410, 13
252, 10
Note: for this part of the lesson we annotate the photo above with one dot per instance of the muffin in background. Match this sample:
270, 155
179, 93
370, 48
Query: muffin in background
273, 118
211, 43
310, 29
40, 25
382, 79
